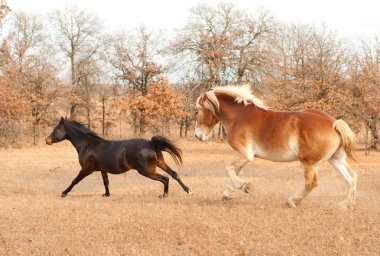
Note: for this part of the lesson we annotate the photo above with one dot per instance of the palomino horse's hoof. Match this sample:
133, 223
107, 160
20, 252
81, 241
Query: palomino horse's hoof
226, 199
291, 203
163, 195
344, 205
247, 188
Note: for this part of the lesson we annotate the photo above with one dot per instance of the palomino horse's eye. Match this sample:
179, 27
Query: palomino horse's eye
196, 113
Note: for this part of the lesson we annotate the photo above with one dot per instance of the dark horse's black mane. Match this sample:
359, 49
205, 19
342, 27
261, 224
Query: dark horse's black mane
82, 128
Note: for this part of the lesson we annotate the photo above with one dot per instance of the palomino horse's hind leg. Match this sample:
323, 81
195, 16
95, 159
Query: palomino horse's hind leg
235, 182
340, 163
311, 182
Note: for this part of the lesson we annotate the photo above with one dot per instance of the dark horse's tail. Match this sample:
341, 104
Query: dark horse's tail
163, 144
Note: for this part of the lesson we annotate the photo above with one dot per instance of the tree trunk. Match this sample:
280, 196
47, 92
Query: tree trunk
103, 115
367, 151
187, 125
34, 134
73, 108
375, 141
167, 123
88, 116
181, 127
35, 130
141, 125
120, 124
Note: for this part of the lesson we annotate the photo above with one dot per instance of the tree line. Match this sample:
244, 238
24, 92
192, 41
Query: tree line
67, 63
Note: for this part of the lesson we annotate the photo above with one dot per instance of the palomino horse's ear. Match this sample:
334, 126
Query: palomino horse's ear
202, 98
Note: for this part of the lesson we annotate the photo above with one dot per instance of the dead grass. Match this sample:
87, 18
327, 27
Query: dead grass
34, 219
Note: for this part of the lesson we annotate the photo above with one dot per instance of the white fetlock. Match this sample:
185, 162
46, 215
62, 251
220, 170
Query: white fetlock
291, 203
226, 198
227, 195
346, 204
247, 188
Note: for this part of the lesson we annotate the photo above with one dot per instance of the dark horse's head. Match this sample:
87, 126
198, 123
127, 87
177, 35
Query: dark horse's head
58, 133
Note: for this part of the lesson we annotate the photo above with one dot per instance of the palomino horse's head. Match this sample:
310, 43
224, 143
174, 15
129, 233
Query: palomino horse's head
208, 107
58, 133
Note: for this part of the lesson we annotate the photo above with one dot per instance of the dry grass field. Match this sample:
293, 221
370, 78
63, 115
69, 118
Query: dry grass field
35, 220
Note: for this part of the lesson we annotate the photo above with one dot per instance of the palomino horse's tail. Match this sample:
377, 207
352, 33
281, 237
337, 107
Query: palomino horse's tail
348, 137
163, 144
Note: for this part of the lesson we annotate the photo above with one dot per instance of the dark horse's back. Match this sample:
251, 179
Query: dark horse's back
133, 153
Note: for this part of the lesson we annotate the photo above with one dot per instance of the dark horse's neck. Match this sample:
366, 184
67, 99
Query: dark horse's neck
78, 138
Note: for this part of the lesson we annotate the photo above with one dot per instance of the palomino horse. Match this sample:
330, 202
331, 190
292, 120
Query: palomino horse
115, 157
309, 136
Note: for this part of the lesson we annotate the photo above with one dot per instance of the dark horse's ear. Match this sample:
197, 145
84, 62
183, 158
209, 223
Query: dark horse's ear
62, 120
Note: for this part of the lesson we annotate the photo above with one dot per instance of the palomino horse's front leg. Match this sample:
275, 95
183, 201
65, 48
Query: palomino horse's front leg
235, 182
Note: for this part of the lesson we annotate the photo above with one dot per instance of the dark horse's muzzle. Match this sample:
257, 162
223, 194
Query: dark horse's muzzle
49, 140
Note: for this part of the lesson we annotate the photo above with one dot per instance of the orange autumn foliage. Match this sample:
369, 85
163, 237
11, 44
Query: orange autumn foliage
161, 105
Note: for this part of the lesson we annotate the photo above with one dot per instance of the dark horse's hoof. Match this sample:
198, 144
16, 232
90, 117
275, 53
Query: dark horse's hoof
163, 195
106, 195
63, 194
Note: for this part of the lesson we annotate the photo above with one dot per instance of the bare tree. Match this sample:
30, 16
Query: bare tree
28, 74
107, 93
223, 44
80, 39
135, 59
363, 98
4, 10
309, 69
36, 66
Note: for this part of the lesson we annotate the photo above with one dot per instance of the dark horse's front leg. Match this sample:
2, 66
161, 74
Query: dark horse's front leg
82, 174
105, 182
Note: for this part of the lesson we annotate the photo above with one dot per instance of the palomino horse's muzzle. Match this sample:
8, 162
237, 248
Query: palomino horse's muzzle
200, 135
49, 140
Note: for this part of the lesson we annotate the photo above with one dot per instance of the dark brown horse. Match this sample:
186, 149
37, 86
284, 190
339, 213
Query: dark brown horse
115, 157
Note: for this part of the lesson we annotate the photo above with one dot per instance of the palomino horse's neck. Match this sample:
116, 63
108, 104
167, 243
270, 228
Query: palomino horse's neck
77, 138
229, 110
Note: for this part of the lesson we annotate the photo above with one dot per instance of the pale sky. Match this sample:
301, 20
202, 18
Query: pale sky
350, 19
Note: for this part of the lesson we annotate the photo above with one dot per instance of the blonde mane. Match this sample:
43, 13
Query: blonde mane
241, 94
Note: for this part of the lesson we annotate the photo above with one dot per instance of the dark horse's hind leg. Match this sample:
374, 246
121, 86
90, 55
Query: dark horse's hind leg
150, 172
82, 174
106, 183
174, 175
